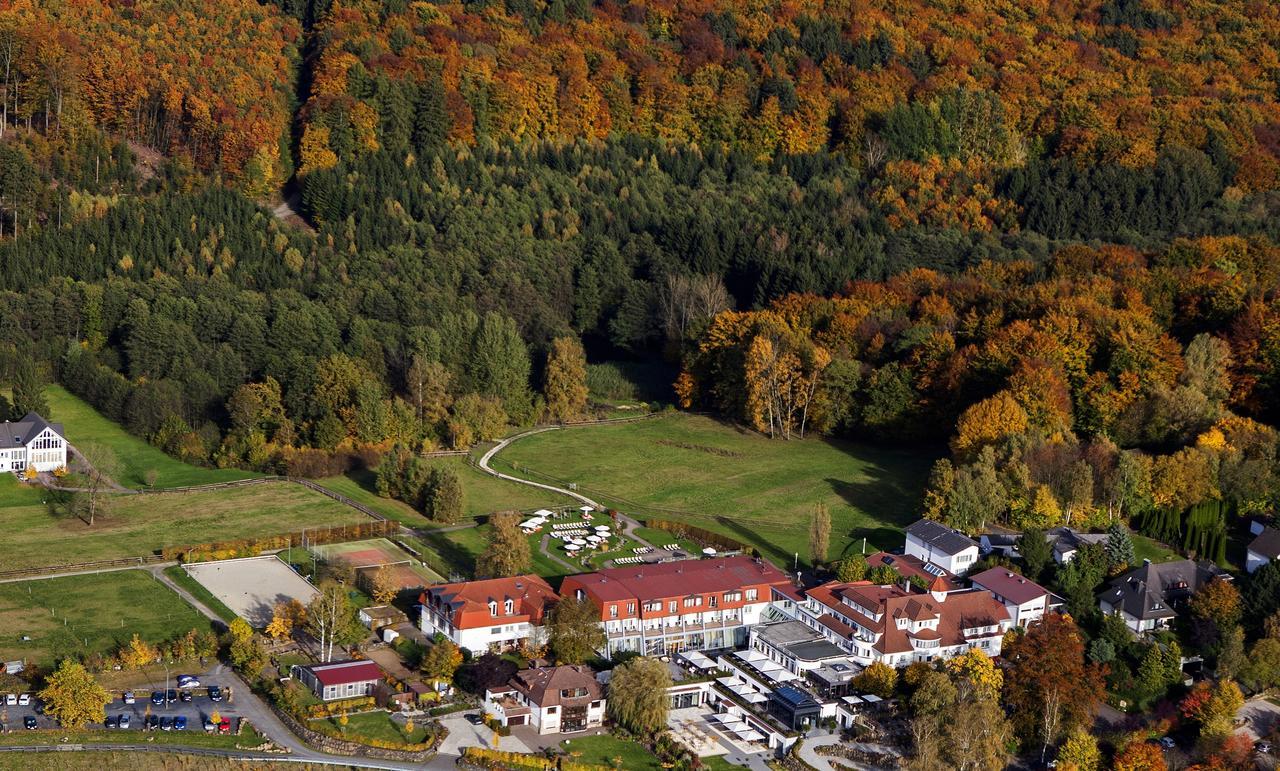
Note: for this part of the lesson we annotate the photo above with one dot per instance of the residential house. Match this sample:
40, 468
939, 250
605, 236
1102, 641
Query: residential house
32, 442
1149, 597
897, 626
495, 614
657, 609
949, 549
340, 680
1264, 548
1064, 543
1026, 600
551, 699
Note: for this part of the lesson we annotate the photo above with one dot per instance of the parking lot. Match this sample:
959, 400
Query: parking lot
195, 711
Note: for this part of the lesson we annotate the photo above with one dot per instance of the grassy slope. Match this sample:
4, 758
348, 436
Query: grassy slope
752, 488
137, 525
83, 425
482, 494
601, 750
104, 609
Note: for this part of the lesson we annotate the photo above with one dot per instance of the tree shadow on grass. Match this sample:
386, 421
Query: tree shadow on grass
461, 562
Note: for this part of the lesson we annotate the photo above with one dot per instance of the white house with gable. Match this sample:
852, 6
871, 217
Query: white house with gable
32, 442
951, 550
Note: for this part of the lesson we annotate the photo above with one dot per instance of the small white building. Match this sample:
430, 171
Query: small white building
951, 550
1264, 548
32, 442
340, 680
1026, 600
550, 699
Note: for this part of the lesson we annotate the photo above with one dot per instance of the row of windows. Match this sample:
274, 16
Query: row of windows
47, 443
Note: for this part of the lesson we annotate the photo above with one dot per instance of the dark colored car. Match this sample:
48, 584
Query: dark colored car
171, 695
186, 696
475, 719
30, 722
110, 722
157, 698
215, 693
151, 722
180, 723
166, 724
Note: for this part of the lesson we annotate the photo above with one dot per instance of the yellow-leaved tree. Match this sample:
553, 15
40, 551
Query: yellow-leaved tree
988, 422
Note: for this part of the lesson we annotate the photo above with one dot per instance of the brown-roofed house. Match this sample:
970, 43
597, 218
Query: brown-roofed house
495, 614
1026, 600
551, 699
684, 605
897, 625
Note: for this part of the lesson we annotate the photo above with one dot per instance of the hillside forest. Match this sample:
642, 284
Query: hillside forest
1042, 235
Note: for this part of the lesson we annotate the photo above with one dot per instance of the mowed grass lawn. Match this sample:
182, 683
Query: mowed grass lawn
482, 493
138, 525
758, 490
84, 425
88, 614
601, 751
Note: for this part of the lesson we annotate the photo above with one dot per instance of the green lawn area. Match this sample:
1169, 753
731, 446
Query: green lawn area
1150, 549
137, 525
83, 424
482, 494
661, 538
601, 750
374, 725
248, 738
88, 614
758, 490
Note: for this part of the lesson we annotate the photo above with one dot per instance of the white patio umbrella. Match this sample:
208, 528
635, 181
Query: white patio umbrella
601, 528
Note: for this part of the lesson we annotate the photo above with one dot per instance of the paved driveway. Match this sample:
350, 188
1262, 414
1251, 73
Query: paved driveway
1260, 716
463, 734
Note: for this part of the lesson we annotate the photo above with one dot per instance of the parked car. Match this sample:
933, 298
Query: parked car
209, 726
29, 722
166, 723
171, 695
110, 722
128, 697
151, 722
188, 681
1263, 748
24, 700
185, 696
11, 700
475, 719
225, 726
180, 723
215, 693
1167, 742
157, 698
124, 720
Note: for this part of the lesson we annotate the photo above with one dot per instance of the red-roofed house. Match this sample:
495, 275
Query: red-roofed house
685, 605
340, 680
496, 614
898, 626
1026, 600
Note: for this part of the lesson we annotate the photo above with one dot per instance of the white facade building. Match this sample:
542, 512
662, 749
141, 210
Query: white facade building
929, 541
32, 442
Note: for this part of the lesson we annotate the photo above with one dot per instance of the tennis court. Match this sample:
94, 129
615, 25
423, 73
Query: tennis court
406, 570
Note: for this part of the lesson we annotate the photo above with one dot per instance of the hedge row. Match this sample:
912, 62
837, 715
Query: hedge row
252, 547
332, 708
704, 537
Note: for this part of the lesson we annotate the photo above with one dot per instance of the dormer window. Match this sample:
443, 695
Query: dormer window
508, 606
493, 607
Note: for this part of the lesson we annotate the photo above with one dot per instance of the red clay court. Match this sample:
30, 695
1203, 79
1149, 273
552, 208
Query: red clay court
406, 571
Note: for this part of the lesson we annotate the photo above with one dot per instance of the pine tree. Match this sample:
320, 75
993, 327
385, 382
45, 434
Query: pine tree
431, 121
1119, 547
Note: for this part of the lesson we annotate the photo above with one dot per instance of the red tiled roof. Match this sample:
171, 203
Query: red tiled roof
677, 580
956, 612
468, 601
345, 672
908, 566
1009, 585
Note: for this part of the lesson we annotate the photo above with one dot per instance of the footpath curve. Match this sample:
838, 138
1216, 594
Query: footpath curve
629, 525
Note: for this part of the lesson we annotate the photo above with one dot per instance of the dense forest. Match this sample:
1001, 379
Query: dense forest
1042, 232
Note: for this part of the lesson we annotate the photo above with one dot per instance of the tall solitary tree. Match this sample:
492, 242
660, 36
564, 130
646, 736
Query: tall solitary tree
574, 630
819, 534
73, 696
444, 496
1119, 548
1035, 551
331, 619
507, 553
101, 468
565, 381
638, 695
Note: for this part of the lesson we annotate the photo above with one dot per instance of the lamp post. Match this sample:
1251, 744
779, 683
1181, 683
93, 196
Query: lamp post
166, 685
